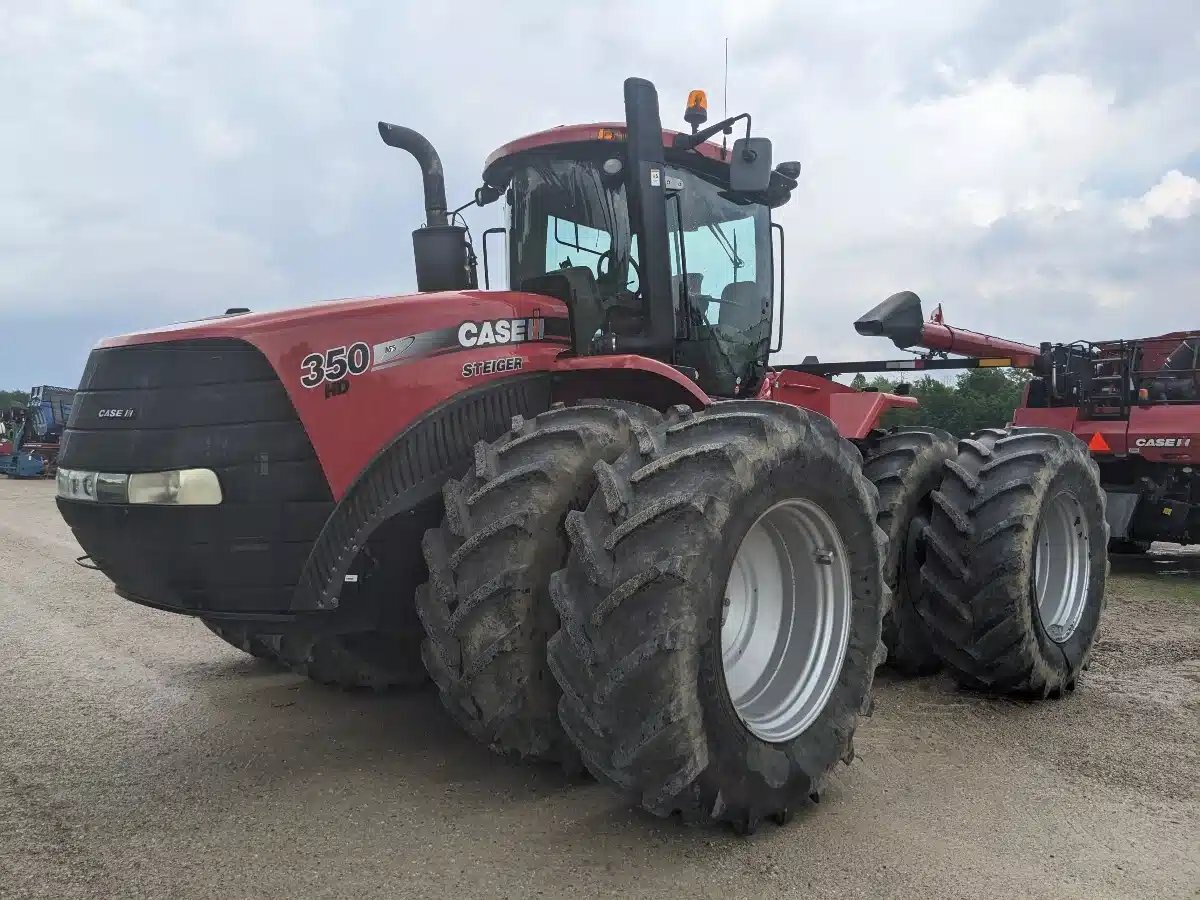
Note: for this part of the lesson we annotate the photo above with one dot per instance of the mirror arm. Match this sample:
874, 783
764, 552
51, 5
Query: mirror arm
692, 141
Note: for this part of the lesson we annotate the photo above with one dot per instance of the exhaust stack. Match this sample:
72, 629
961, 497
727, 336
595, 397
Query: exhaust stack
648, 217
442, 254
432, 178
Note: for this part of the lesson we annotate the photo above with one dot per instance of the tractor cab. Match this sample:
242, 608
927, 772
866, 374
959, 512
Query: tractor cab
658, 242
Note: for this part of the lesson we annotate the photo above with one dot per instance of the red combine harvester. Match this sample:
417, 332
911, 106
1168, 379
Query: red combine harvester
630, 542
1135, 403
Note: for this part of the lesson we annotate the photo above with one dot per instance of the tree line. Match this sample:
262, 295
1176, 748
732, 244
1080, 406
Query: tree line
13, 398
978, 398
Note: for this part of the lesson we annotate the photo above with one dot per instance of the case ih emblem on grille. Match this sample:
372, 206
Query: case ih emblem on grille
117, 414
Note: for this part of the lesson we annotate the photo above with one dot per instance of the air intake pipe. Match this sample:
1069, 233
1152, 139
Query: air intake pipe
441, 252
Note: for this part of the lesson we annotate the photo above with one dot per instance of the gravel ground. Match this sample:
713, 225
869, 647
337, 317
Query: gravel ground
141, 757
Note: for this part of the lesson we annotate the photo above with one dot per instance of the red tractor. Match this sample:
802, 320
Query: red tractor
587, 506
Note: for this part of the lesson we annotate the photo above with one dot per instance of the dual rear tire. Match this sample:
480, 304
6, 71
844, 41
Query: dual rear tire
257, 645
721, 610
691, 606
721, 586
370, 660
486, 607
674, 653
907, 465
1014, 578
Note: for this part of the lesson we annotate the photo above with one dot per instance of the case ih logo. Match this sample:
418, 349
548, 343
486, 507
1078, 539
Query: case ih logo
1163, 442
117, 414
501, 331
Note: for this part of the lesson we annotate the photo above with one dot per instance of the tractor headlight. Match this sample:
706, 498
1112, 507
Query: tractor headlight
180, 487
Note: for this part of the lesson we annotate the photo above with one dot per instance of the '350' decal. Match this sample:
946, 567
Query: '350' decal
334, 364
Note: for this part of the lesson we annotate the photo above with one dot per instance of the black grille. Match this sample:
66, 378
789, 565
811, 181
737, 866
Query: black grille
213, 404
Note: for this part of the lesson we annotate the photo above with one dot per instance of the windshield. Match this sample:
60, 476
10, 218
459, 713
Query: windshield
722, 257
569, 213
572, 214
721, 267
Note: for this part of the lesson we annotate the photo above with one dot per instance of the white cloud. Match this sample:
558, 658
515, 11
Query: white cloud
161, 161
222, 140
1176, 196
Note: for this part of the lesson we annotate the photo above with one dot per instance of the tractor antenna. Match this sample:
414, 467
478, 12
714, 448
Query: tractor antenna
725, 99
725, 114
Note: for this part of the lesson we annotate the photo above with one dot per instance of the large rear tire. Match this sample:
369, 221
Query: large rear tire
1126, 547
239, 636
721, 611
486, 608
1015, 570
372, 660
906, 465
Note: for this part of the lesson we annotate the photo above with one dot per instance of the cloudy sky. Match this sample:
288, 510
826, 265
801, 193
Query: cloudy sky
1034, 166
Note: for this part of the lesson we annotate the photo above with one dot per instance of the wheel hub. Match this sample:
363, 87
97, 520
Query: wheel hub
786, 621
1061, 566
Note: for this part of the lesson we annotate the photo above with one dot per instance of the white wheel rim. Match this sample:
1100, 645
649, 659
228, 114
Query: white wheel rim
786, 621
1061, 566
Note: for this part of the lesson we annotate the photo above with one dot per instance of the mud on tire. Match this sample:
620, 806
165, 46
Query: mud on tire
1003, 615
906, 465
642, 597
486, 608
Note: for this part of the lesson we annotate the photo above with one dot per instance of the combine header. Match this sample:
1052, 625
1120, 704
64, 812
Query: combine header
586, 505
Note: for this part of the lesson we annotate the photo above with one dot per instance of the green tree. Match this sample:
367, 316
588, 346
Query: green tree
979, 398
13, 398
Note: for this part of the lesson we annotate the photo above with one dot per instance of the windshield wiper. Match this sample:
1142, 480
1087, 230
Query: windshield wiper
730, 249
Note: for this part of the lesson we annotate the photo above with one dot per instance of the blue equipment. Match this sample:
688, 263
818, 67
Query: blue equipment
29, 434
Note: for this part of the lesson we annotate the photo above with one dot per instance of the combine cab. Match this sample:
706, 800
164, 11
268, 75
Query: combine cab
1137, 405
611, 532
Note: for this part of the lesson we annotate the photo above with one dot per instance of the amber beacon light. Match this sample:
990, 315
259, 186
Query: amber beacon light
696, 113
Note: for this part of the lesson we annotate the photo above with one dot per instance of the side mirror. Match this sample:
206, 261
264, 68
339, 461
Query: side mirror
750, 166
487, 194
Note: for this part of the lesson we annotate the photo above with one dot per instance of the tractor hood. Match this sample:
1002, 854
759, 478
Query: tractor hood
410, 315
356, 372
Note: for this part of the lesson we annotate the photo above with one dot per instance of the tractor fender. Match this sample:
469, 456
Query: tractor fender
626, 377
855, 413
403, 482
405, 478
